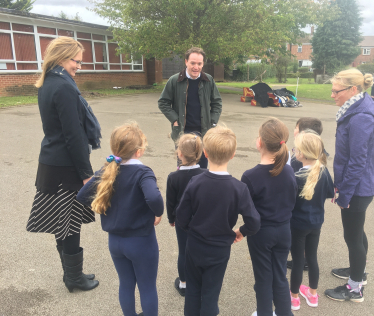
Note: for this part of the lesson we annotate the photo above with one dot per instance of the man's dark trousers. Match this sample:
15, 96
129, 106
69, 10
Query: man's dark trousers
205, 270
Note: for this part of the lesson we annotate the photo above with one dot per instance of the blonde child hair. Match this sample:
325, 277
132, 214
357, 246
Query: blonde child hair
191, 147
220, 144
310, 144
274, 135
125, 141
58, 50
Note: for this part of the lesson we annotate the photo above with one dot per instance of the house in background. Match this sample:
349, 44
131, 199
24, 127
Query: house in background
25, 36
303, 50
367, 51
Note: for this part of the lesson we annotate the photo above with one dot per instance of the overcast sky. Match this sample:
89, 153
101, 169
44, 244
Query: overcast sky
71, 7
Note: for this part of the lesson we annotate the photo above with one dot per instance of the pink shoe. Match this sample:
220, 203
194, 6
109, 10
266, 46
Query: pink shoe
295, 303
310, 299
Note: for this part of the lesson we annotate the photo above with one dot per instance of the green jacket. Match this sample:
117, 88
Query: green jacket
173, 101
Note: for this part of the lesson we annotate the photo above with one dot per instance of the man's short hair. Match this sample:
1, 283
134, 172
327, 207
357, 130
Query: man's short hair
220, 144
310, 123
196, 50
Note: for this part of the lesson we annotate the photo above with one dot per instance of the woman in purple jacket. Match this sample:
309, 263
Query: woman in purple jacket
354, 174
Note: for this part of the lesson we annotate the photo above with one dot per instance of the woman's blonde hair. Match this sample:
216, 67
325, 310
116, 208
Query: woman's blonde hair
353, 77
125, 141
191, 147
274, 135
310, 144
58, 50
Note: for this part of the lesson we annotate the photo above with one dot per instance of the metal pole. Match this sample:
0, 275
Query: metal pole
297, 85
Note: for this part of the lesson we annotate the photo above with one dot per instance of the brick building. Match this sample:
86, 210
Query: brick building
25, 36
367, 51
303, 50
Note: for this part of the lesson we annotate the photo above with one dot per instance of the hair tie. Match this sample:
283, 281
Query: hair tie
110, 158
282, 142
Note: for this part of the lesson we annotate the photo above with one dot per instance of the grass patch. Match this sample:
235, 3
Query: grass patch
23, 100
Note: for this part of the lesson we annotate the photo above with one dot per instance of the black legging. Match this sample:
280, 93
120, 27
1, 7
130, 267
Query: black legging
70, 245
304, 241
353, 219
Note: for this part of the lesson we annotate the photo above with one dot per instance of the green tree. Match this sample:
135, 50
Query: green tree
63, 15
21, 5
335, 43
223, 28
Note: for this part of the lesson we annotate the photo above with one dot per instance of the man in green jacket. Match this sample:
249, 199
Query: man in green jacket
190, 99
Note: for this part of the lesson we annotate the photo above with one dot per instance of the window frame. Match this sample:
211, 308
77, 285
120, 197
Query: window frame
299, 48
366, 51
38, 52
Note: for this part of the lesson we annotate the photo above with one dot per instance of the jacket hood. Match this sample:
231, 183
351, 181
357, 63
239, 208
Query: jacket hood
182, 76
364, 105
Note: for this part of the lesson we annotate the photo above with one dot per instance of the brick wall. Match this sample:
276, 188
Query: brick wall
15, 84
304, 55
364, 58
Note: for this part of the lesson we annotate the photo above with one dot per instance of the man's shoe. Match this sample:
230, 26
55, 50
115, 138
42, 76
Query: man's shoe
182, 292
344, 273
345, 293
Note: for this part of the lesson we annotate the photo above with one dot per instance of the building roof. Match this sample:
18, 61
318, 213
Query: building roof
367, 41
51, 18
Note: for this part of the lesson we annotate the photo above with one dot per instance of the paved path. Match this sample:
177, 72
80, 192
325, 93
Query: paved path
30, 271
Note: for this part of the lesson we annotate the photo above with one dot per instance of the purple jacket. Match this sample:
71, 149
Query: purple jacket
354, 155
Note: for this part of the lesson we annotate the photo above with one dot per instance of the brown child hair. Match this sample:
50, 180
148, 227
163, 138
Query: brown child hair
125, 141
191, 147
274, 135
220, 144
310, 123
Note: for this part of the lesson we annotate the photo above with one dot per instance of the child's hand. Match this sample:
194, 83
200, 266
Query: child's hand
172, 224
239, 236
157, 220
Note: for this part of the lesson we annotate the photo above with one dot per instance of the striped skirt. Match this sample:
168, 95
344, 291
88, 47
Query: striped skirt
59, 214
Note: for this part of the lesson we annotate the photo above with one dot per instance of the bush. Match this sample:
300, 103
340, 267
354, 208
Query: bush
303, 69
366, 68
255, 70
300, 75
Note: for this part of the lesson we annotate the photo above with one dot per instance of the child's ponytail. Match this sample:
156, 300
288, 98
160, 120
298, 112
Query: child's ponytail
125, 141
274, 135
311, 146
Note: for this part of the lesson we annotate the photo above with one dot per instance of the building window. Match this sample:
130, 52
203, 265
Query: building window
366, 51
300, 49
23, 48
300, 63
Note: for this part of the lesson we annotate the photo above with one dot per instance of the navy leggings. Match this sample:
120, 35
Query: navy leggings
182, 241
136, 262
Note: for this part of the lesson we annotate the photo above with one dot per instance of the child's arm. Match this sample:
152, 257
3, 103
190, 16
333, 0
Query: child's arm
87, 193
184, 210
252, 219
151, 193
330, 186
171, 201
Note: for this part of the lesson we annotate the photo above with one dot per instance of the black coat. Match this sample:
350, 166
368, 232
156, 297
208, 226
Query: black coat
65, 142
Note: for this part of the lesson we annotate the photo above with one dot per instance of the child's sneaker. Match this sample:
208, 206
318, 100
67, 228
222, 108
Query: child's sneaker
311, 300
295, 303
345, 293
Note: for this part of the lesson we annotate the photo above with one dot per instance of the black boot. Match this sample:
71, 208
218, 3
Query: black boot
59, 249
74, 278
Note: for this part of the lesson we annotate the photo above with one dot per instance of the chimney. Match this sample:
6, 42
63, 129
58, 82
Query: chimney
312, 30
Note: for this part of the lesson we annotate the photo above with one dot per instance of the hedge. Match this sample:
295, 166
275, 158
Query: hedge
241, 72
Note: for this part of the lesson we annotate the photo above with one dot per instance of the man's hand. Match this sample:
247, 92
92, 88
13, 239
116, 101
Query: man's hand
157, 220
175, 123
239, 236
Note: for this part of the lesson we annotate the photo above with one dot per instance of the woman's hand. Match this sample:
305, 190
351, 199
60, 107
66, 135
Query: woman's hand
86, 180
239, 236
157, 220
172, 224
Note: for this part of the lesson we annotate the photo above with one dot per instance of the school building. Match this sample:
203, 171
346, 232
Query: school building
24, 37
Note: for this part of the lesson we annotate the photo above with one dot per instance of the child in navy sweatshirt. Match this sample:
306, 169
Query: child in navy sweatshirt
273, 188
190, 148
126, 195
209, 209
314, 187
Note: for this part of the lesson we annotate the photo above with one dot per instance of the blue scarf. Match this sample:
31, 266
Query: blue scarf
91, 124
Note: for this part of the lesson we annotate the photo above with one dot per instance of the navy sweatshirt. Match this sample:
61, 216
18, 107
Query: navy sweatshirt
210, 206
295, 164
175, 186
135, 202
273, 197
193, 107
310, 214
